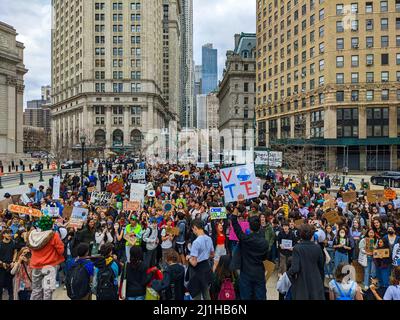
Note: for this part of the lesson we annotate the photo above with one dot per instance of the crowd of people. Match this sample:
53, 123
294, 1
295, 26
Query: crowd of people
172, 248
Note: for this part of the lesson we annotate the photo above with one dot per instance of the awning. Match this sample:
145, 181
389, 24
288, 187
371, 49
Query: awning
341, 142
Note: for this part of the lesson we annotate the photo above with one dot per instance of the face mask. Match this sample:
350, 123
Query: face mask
391, 232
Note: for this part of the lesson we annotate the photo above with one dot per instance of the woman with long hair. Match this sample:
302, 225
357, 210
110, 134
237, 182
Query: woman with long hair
135, 274
383, 265
22, 272
342, 247
366, 247
393, 291
223, 274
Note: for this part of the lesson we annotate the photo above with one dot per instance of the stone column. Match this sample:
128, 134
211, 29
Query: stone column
108, 120
279, 133
127, 134
362, 123
392, 122
292, 125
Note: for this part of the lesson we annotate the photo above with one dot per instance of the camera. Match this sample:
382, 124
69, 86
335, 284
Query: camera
28, 255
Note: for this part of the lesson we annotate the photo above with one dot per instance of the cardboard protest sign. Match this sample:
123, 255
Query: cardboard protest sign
167, 206
51, 212
116, 187
245, 228
139, 174
390, 194
285, 208
269, 269
91, 189
166, 189
151, 193
4, 204
130, 238
101, 199
56, 187
218, 213
131, 206
16, 198
67, 212
200, 165
25, 210
173, 231
376, 196
332, 217
349, 197
239, 183
25, 199
137, 192
330, 202
79, 217
381, 253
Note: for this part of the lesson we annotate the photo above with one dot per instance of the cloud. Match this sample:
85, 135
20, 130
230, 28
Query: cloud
217, 21
32, 20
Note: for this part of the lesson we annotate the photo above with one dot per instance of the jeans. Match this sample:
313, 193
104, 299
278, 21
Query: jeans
369, 271
383, 275
135, 298
283, 262
150, 258
331, 265
341, 257
24, 295
252, 289
128, 253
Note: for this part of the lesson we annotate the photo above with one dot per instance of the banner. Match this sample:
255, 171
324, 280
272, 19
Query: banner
79, 217
131, 206
239, 183
53, 212
138, 175
25, 210
137, 192
101, 199
218, 213
271, 158
56, 187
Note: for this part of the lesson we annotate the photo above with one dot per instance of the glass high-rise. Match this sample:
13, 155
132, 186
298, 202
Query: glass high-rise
210, 69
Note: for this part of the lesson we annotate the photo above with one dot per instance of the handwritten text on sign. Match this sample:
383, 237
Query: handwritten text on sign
239, 183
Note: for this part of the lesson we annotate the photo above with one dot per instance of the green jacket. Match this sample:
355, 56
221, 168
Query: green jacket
269, 236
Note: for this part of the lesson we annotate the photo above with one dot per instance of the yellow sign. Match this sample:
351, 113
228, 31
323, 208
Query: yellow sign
285, 208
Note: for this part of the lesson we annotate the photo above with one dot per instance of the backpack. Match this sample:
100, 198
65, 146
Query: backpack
106, 288
345, 296
78, 282
227, 291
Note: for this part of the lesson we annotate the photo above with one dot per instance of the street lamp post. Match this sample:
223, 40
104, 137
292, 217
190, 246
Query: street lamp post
83, 141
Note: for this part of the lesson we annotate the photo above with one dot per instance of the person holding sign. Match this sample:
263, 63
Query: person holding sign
342, 247
286, 242
132, 235
254, 251
382, 262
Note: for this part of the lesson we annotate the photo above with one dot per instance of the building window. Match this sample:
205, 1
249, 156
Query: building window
354, 61
347, 123
339, 61
377, 122
384, 41
354, 77
384, 6
340, 78
339, 96
370, 77
339, 9
355, 43
369, 7
370, 59
385, 95
340, 44
369, 95
355, 96
317, 124
369, 24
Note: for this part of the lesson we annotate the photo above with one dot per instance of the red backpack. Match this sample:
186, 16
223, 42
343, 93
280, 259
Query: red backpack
227, 291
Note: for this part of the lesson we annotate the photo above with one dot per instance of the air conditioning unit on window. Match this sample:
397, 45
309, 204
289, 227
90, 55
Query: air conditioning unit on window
355, 46
370, 63
385, 80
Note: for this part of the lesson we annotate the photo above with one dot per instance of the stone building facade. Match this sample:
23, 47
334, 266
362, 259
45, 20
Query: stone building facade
237, 95
12, 71
109, 80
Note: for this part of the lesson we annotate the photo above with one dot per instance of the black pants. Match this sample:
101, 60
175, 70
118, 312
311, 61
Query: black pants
10, 293
24, 295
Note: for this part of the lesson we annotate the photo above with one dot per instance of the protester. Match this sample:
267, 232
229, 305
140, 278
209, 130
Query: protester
22, 273
8, 255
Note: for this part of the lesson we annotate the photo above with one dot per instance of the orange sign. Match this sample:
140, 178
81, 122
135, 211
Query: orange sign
390, 194
25, 210
116, 187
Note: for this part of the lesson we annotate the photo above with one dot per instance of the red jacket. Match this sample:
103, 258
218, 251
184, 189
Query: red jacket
52, 254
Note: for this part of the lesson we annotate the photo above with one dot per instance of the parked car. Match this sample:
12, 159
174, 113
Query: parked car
37, 167
390, 178
71, 164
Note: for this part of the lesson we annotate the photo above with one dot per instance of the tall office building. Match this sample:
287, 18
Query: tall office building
37, 114
196, 91
12, 71
187, 72
328, 78
109, 79
46, 93
209, 69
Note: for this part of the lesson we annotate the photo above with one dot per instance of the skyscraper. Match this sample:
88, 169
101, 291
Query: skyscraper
209, 69
187, 72
108, 77
197, 91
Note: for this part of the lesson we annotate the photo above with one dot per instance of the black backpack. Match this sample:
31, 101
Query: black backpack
78, 282
106, 288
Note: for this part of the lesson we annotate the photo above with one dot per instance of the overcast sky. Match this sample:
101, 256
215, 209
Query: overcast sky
215, 21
